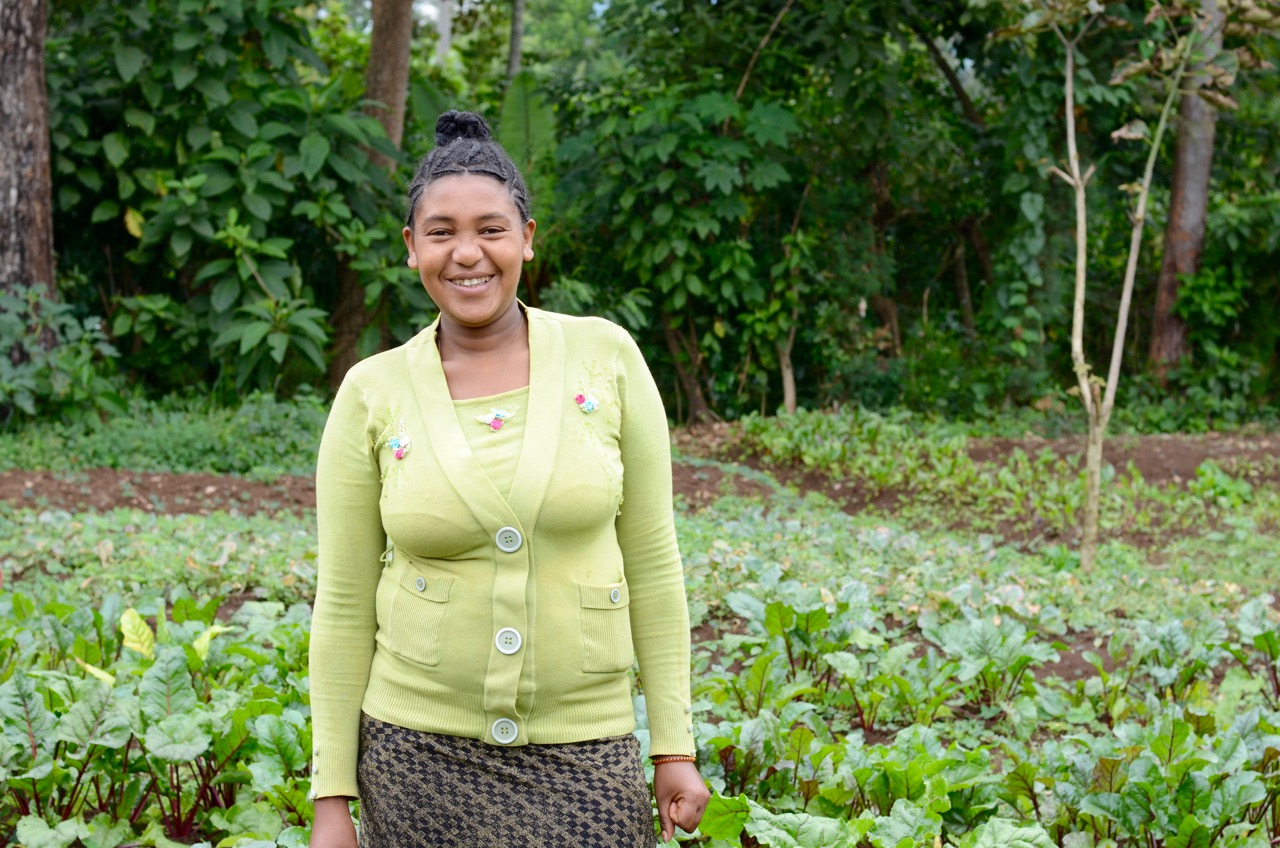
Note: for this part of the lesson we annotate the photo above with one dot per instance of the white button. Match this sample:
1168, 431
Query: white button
509, 540
508, 640
421, 583
505, 731
615, 596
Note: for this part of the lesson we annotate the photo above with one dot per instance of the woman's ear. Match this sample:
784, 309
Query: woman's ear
412, 261
529, 227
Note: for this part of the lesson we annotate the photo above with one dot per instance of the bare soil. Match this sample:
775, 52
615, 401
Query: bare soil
1164, 458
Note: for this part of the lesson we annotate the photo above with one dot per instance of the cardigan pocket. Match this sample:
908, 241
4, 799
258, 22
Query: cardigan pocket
417, 616
606, 628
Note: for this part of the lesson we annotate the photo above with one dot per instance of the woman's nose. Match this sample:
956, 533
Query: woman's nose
466, 252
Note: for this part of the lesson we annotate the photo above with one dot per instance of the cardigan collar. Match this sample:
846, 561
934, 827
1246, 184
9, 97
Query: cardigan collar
546, 408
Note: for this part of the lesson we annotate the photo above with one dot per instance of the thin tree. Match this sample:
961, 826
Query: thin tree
1097, 395
386, 83
26, 205
1188, 201
517, 37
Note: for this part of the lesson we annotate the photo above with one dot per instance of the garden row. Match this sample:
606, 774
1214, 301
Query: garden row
856, 685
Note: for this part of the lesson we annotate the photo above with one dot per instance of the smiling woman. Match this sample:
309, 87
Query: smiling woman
482, 593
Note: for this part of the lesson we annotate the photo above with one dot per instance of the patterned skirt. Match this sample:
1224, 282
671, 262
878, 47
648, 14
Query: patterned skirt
425, 790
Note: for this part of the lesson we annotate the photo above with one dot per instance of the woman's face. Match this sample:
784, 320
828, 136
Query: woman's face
467, 245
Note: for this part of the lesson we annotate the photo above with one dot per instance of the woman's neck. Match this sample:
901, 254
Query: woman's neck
458, 342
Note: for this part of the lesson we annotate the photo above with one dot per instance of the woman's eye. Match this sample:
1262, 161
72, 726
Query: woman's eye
436, 233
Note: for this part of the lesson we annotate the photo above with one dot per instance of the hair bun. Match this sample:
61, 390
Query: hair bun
455, 125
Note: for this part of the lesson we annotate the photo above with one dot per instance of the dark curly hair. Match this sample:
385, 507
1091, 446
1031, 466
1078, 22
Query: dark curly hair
465, 145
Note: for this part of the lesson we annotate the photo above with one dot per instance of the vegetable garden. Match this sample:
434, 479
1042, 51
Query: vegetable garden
941, 672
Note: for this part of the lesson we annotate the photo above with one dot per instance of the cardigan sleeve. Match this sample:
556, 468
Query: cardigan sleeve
344, 621
651, 558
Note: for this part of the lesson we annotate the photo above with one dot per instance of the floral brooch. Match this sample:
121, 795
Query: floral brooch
586, 401
399, 444
494, 420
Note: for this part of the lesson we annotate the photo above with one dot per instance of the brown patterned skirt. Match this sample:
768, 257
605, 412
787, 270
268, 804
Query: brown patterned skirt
425, 790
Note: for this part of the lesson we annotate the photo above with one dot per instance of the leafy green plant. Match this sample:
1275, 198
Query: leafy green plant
57, 364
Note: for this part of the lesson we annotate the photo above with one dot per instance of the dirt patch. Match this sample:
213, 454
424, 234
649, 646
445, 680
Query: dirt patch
1158, 458
99, 489
699, 483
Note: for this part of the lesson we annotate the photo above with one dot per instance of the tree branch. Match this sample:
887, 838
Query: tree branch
953, 79
764, 42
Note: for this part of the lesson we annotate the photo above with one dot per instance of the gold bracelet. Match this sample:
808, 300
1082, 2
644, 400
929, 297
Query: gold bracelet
661, 759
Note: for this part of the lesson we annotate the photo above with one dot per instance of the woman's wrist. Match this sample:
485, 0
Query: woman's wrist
663, 759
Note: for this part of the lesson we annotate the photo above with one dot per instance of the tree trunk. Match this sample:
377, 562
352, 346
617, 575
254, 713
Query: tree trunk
688, 362
386, 80
1092, 490
26, 193
1188, 206
517, 36
444, 29
787, 367
963, 293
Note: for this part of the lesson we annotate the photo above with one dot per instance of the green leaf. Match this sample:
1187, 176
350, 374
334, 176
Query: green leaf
137, 634
251, 334
107, 210
106, 832
198, 135
178, 738
801, 830
94, 718
313, 151
225, 294
1032, 206
724, 817
128, 61
1001, 833
180, 242
33, 832
166, 689
257, 205
214, 91
906, 826
241, 117
427, 101
144, 121
527, 127
770, 123
184, 75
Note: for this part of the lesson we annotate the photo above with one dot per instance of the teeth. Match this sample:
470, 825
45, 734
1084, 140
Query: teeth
470, 284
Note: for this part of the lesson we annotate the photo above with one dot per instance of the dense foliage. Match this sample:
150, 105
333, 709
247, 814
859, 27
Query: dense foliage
851, 196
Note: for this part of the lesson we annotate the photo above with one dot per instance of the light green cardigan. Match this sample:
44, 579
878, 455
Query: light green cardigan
445, 607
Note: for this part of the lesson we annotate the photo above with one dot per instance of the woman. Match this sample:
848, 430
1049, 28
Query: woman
496, 548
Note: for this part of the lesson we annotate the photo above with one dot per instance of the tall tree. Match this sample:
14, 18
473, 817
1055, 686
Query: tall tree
1189, 200
517, 36
26, 217
386, 82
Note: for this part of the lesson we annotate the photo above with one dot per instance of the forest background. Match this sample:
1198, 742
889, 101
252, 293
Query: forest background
789, 204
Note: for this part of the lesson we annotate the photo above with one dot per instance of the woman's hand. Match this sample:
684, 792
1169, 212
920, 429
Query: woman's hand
682, 795
333, 827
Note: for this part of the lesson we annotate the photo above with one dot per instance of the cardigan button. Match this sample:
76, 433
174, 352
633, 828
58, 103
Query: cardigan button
421, 584
505, 731
508, 640
509, 540
615, 595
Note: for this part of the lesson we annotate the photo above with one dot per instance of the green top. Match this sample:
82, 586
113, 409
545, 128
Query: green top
497, 451
452, 601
